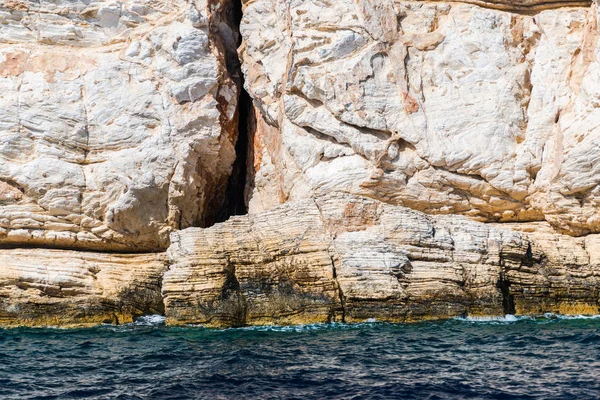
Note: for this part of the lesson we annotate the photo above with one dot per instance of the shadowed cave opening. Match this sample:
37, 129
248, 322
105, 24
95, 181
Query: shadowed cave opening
508, 299
238, 185
235, 197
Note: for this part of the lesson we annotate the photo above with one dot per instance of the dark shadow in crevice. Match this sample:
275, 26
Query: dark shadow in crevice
237, 14
508, 299
236, 197
236, 203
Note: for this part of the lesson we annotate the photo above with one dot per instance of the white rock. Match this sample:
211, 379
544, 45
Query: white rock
112, 122
470, 108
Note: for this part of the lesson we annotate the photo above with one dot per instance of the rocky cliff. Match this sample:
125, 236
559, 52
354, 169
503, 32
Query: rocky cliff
399, 160
117, 121
446, 108
348, 258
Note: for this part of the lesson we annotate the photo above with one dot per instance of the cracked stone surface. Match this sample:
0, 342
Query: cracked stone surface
117, 121
41, 287
408, 160
481, 108
354, 259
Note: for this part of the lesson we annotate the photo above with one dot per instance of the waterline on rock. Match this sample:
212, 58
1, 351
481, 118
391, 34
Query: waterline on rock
510, 318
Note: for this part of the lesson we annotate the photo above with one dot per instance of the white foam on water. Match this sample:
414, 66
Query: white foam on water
286, 328
308, 327
143, 321
505, 318
150, 320
43, 327
159, 320
509, 318
577, 316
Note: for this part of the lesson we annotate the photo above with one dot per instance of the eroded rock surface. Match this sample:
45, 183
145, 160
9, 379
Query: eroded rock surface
481, 108
117, 121
269, 268
336, 258
41, 287
407, 160
353, 259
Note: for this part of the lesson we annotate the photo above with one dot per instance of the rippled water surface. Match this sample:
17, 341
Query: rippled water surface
495, 359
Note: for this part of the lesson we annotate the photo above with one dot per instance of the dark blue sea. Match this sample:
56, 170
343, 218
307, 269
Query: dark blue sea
511, 358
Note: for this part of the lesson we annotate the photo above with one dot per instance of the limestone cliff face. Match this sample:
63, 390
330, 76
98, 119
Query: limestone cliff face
41, 287
352, 259
484, 109
117, 121
406, 160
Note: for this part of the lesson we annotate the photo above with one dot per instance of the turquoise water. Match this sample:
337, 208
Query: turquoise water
547, 358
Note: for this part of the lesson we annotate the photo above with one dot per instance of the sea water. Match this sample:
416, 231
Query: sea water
494, 358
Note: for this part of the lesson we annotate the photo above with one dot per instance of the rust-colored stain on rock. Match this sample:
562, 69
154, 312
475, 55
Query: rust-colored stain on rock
14, 63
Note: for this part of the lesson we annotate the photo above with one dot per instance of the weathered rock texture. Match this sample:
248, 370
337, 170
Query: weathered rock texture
407, 160
352, 259
270, 268
475, 108
559, 273
40, 287
117, 120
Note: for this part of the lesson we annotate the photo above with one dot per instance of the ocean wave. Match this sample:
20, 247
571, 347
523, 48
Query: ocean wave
309, 327
145, 321
486, 319
150, 320
577, 316
159, 321
510, 318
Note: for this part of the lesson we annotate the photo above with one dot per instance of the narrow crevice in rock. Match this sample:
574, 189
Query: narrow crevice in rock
508, 300
159, 306
236, 309
340, 292
236, 197
503, 284
235, 203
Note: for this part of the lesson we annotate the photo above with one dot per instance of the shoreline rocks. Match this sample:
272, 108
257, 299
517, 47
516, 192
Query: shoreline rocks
338, 258
353, 259
405, 160
45, 287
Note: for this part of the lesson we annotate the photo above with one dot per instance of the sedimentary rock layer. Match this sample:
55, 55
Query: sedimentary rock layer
117, 120
408, 160
348, 258
270, 268
40, 287
559, 274
442, 107
335, 258
526, 5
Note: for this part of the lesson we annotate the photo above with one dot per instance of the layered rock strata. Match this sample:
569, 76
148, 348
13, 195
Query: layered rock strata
335, 258
353, 259
40, 287
407, 160
560, 274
